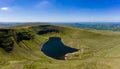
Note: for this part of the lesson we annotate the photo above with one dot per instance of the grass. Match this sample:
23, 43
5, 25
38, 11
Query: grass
98, 50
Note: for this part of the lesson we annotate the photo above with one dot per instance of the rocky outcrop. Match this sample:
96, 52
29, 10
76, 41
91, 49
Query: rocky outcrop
6, 40
8, 37
24, 36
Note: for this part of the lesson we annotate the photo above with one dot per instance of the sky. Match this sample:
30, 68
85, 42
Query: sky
59, 10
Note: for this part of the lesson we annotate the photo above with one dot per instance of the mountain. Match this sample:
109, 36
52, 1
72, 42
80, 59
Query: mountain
112, 26
24, 47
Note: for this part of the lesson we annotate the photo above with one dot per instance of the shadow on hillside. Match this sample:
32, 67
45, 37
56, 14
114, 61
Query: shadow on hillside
56, 49
44, 29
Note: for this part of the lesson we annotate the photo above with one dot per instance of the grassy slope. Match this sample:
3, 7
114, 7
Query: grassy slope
98, 50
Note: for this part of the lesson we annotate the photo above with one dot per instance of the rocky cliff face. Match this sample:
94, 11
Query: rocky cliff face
6, 40
9, 36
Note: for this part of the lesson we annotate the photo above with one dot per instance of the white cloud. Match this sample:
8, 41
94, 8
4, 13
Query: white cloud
4, 8
44, 4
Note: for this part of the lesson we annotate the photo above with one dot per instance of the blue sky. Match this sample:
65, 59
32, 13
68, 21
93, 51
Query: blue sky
59, 10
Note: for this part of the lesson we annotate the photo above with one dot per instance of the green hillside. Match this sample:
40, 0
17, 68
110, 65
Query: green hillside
20, 48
